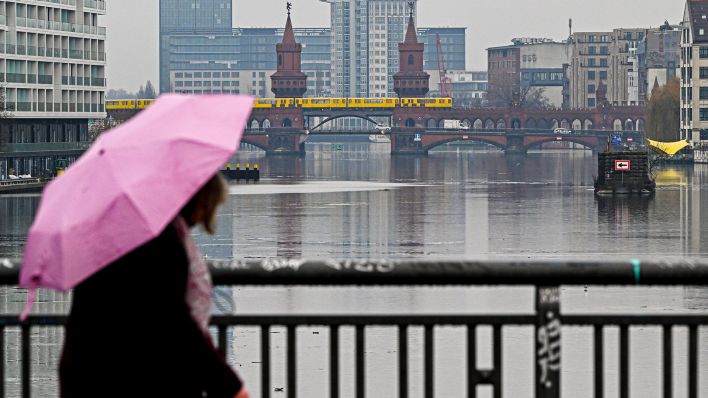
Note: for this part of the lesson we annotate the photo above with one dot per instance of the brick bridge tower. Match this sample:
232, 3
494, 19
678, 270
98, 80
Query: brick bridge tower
289, 81
411, 80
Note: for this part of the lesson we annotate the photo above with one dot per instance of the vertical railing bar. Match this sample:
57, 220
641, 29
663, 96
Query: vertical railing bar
2, 361
472, 379
624, 361
599, 362
26, 361
265, 361
497, 373
668, 362
693, 361
403, 361
334, 361
221, 336
360, 362
429, 361
292, 359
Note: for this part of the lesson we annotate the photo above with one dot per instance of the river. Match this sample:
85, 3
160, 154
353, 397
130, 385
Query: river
358, 203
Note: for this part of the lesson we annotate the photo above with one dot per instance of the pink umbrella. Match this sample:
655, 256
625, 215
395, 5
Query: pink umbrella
131, 183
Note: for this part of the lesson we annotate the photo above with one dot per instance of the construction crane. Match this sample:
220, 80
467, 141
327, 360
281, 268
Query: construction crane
445, 82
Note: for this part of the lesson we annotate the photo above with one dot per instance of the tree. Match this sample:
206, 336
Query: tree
507, 92
663, 113
147, 92
119, 94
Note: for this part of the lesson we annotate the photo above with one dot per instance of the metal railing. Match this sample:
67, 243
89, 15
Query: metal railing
548, 320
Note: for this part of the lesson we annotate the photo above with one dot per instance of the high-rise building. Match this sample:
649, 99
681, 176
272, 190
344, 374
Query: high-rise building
528, 64
608, 61
190, 16
694, 75
659, 58
365, 38
52, 65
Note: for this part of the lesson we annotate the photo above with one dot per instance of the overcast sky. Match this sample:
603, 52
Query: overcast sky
133, 24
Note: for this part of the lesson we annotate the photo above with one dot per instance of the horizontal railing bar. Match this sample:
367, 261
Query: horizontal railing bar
407, 320
691, 272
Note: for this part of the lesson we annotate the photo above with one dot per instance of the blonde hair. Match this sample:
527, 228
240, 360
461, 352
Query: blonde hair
201, 209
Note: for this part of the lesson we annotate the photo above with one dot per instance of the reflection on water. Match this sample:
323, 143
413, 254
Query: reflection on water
464, 205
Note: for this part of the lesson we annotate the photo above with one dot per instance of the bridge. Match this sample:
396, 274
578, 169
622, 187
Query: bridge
676, 349
414, 141
417, 130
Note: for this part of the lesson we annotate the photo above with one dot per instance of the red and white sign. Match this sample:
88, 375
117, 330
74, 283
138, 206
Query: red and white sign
622, 165
465, 137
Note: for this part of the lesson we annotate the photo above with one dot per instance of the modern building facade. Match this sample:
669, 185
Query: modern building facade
190, 17
659, 58
528, 63
365, 38
242, 61
53, 72
694, 73
607, 60
469, 88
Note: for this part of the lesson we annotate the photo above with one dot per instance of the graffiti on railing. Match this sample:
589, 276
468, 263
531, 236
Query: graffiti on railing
548, 341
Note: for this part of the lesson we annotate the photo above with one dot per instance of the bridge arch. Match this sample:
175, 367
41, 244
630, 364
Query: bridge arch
587, 125
247, 140
441, 123
515, 123
587, 142
266, 124
640, 125
531, 123
254, 125
332, 118
617, 125
489, 124
543, 124
564, 124
629, 125
287, 122
577, 124
501, 124
467, 123
410, 122
499, 142
432, 123
478, 124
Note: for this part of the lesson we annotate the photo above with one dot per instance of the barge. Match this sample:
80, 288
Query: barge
624, 173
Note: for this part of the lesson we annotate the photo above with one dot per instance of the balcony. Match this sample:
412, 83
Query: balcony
45, 79
60, 26
98, 82
23, 107
16, 78
95, 4
47, 147
411, 339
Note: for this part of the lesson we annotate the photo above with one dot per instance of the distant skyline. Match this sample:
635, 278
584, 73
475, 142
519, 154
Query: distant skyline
133, 35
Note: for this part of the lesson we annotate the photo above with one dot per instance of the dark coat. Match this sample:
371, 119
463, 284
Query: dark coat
130, 332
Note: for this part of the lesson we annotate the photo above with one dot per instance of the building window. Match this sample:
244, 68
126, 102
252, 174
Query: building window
591, 89
704, 114
704, 52
591, 75
604, 50
704, 93
592, 50
704, 72
280, 59
591, 102
591, 61
179, 75
603, 75
411, 59
603, 62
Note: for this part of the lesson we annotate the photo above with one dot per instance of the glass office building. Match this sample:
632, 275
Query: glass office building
190, 17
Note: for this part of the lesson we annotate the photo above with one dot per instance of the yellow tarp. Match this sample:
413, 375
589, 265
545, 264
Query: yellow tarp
667, 148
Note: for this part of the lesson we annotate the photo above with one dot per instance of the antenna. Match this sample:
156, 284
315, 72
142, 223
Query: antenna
411, 6
570, 28
289, 7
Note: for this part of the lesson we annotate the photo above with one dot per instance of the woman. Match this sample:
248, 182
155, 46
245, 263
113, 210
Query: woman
137, 328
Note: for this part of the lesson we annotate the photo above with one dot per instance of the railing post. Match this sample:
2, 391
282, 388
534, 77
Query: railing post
548, 342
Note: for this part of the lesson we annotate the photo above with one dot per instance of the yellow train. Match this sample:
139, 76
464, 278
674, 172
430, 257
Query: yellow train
339, 103
311, 103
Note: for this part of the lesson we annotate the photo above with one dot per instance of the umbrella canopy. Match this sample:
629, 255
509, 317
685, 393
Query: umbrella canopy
129, 186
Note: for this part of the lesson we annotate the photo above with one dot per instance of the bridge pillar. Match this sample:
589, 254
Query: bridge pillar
515, 145
285, 144
407, 143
